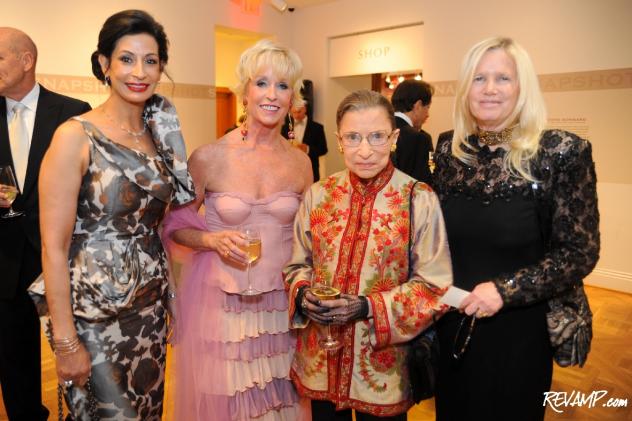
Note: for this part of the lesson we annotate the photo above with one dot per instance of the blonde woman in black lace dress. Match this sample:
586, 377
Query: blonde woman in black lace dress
520, 208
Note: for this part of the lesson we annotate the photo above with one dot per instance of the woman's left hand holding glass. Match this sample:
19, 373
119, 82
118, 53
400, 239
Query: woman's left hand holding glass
483, 301
311, 306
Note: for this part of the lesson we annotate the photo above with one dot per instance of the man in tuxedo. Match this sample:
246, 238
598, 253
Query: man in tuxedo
411, 101
309, 136
29, 115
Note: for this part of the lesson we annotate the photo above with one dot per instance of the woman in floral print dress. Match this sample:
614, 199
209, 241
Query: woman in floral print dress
352, 232
105, 184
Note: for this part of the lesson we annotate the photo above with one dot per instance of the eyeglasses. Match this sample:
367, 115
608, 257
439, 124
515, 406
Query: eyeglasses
354, 139
463, 337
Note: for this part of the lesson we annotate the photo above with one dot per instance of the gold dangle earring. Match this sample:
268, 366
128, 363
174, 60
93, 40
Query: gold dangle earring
290, 128
244, 124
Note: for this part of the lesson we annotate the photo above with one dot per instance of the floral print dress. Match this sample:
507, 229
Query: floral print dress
118, 268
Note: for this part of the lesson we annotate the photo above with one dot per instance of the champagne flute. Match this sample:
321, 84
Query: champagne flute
253, 252
9, 187
325, 293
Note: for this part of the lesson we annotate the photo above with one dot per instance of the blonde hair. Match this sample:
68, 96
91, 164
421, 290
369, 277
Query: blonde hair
284, 62
529, 114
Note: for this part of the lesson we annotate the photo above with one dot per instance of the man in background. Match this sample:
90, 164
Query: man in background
308, 136
29, 115
411, 101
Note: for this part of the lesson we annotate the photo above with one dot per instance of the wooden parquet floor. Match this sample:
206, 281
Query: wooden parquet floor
609, 368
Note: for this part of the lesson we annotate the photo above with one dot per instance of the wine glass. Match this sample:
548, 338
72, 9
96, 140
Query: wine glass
9, 187
431, 162
325, 293
253, 252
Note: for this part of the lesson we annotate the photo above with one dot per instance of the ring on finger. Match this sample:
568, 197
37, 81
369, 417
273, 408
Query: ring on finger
304, 303
68, 383
482, 314
226, 253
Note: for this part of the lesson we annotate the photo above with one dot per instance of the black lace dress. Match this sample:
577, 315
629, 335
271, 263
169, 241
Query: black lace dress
534, 241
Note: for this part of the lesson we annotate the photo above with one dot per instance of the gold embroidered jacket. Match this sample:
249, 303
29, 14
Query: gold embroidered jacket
355, 236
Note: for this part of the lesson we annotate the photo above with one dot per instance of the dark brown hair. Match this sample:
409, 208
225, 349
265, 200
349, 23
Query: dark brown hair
128, 22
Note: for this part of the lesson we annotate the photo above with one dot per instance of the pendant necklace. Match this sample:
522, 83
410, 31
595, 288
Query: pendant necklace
135, 135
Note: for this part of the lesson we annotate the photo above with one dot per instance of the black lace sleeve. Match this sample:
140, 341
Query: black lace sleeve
570, 221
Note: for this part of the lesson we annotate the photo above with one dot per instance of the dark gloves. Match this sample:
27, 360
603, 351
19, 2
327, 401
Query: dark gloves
309, 306
354, 307
341, 311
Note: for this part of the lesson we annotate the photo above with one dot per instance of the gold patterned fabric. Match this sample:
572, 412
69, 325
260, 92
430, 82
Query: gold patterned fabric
355, 236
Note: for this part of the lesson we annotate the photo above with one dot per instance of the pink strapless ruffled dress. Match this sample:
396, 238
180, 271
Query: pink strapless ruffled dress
233, 352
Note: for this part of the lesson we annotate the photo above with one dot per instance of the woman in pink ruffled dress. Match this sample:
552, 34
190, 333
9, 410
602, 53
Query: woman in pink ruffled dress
233, 352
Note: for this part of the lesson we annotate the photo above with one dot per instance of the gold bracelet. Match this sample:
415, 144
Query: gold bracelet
66, 346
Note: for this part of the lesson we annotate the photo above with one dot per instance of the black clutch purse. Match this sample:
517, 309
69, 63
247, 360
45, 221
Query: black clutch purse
423, 356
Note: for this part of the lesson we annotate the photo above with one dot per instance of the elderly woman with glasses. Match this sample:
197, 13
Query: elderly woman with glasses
377, 236
520, 207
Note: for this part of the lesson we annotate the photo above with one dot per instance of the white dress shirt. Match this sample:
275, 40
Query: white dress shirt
404, 117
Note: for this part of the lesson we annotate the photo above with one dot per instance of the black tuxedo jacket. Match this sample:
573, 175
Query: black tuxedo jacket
314, 137
52, 110
411, 155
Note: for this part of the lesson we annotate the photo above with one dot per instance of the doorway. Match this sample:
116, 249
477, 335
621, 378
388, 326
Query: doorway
226, 114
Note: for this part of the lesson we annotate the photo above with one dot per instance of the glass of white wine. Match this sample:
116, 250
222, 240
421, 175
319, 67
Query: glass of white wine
325, 293
431, 162
253, 252
9, 187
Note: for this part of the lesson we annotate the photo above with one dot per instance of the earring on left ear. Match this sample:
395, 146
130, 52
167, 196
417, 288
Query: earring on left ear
108, 81
393, 147
340, 148
290, 128
244, 124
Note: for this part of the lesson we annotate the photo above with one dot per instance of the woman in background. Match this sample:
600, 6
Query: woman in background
105, 184
520, 207
234, 351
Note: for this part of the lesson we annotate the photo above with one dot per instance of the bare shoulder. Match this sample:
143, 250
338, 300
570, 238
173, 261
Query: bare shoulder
69, 149
303, 165
301, 158
70, 134
202, 155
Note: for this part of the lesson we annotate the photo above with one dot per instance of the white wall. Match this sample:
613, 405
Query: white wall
561, 36
66, 32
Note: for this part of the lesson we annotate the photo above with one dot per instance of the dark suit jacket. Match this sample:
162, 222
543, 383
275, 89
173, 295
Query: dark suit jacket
314, 137
52, 110
411, 155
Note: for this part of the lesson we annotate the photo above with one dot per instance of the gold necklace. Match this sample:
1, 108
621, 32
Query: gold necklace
136, 135
491, 138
